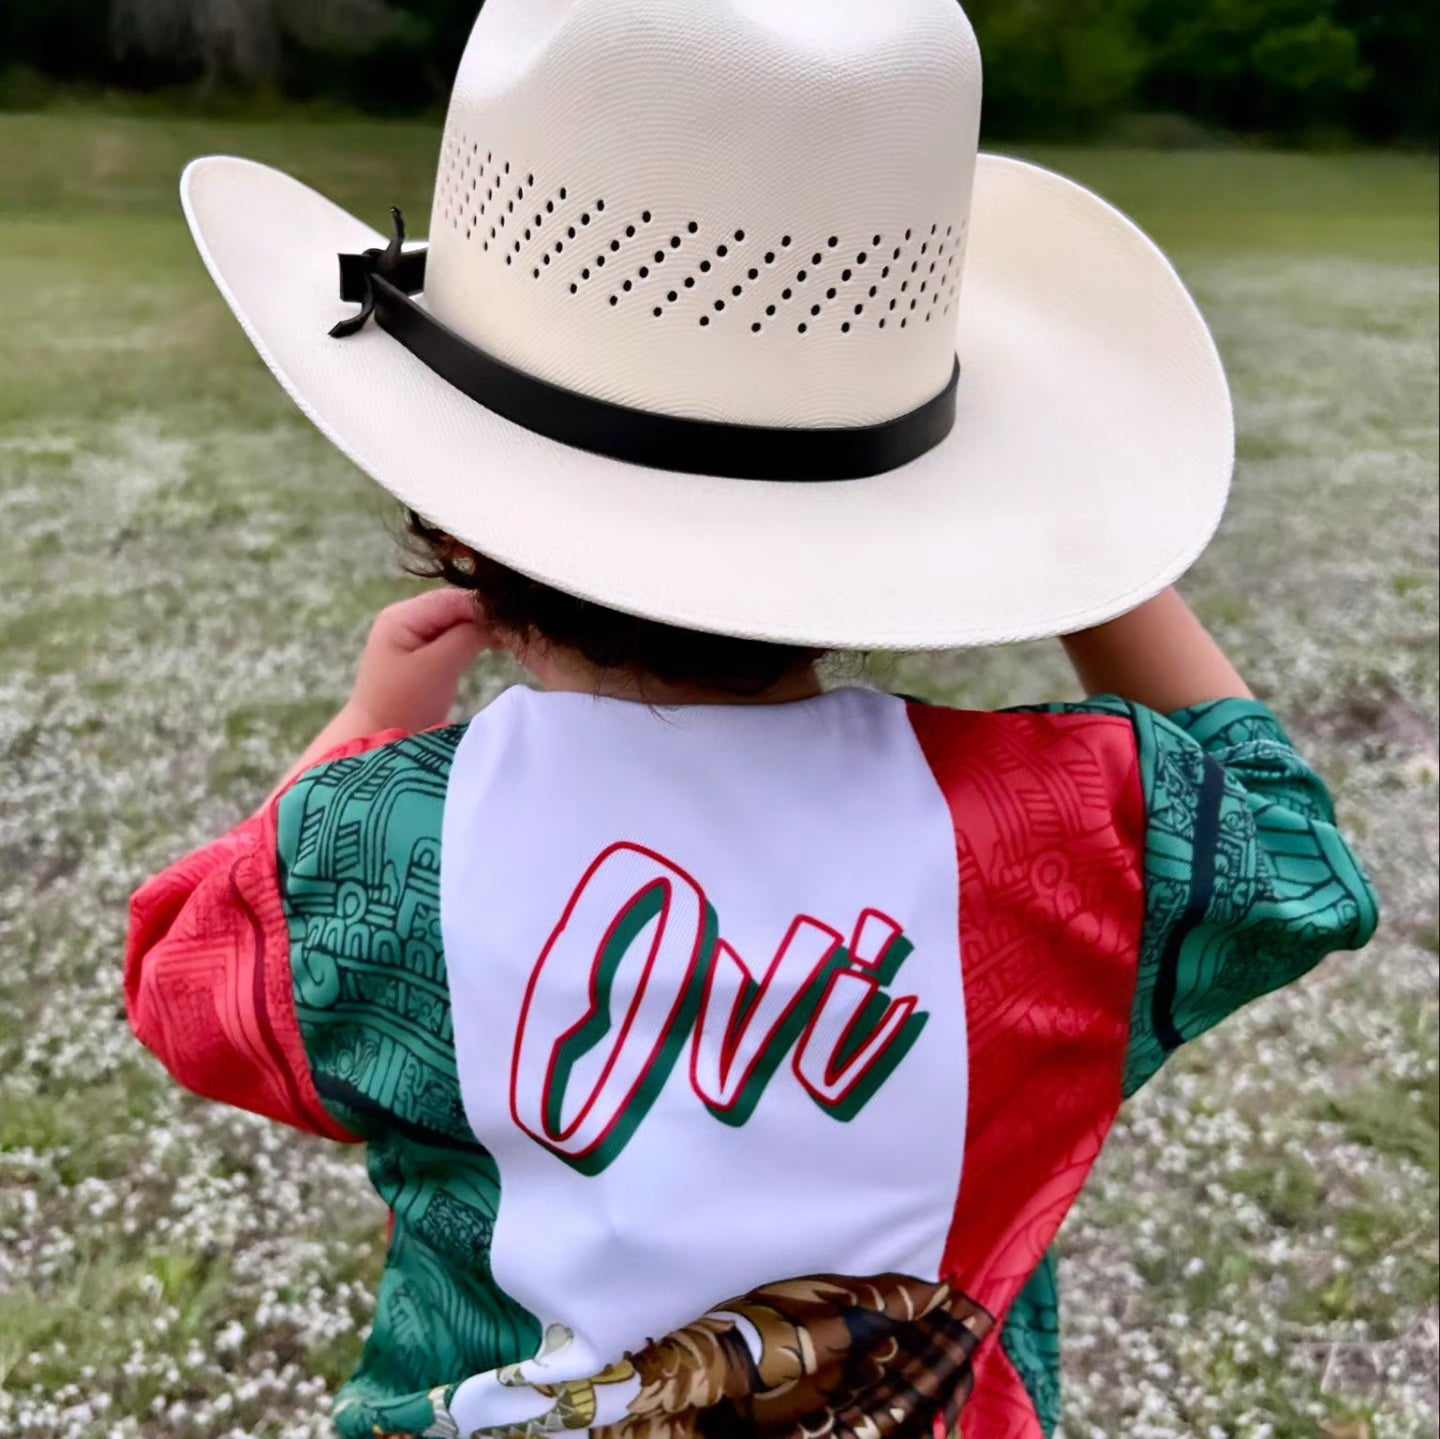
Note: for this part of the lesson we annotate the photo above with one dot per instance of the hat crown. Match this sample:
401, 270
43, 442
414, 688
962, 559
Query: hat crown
751, 211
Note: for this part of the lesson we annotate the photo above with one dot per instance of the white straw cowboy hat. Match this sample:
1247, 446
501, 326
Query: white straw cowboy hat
684, 341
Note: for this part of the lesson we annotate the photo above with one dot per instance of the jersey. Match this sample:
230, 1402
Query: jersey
731, 1070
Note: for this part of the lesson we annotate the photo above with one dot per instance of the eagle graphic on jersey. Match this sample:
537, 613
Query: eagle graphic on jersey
815, 1358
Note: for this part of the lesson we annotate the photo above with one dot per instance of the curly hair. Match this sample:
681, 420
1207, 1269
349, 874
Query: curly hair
605, 637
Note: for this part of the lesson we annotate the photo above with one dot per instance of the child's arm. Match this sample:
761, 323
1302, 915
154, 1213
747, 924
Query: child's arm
1159, 656
409, 673
210, 972
1249, 882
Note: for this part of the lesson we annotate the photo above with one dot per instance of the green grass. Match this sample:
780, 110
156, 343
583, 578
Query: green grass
188, 570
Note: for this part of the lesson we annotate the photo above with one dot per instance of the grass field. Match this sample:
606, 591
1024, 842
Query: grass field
186, 572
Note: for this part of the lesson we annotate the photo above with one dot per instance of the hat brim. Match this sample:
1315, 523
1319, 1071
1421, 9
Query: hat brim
1088, 468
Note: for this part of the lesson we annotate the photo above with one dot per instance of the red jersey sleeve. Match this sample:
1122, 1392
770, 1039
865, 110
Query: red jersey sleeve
208, 984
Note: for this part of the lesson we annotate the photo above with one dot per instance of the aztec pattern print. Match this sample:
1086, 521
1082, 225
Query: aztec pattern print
1248, 884
359, 848
295, 969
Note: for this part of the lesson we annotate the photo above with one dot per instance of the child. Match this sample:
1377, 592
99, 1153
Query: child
729, 1052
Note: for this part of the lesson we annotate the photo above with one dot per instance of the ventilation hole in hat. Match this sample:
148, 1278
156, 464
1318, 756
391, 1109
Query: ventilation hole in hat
628, 286
874, 290
913, 303
904, 324
559, 247
537, 272
571, 232
829, 294
904, 286
770, 257
908, 235
564, 194
614, 246
769, 309
585, 218
645, 217
693, 228
859, 309
722, 250
753, 274
674, 242
885, 273
629, 232
673, 296
861, 258
549, 207
845, 275
659, 257
924, 285
704, 319
817, 258
788, 294
845, 328
894, 303
644, 272
527, 234
704, 267
719, 304
756, 327
802, 328
814, 309
896, 255
739, 237
614, 299
802, 277
599, 262
882, 324
575, 289
658, 311
738, 291
509, 259
927, 318
689, 282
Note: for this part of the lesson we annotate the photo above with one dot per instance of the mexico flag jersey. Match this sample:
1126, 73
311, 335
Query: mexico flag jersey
730, 1070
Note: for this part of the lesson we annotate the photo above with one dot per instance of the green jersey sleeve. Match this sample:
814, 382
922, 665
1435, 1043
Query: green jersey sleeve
1249, 882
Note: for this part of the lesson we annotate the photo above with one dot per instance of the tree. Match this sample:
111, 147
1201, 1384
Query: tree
1056, 68
243, 41
1277, 65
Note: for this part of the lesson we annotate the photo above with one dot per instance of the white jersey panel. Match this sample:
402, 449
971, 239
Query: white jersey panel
709, 1015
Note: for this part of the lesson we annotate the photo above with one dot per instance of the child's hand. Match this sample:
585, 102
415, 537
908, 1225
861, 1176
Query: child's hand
414, 659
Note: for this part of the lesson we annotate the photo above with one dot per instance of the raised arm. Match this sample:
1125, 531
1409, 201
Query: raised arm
1159, 656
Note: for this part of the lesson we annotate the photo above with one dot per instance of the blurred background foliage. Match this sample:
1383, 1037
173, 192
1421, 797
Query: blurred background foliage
1163, 71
